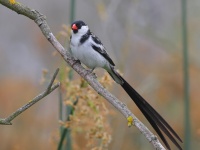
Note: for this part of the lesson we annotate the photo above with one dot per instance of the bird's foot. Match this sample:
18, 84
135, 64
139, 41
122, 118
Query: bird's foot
90, 71
76, 61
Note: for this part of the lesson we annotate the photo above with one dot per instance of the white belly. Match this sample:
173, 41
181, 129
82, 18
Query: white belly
88, 56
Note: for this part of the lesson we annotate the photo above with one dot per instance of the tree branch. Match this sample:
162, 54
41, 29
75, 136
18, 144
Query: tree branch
40, 20
50, 88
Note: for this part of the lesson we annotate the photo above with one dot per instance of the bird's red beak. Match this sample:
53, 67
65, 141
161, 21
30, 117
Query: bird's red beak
74, 27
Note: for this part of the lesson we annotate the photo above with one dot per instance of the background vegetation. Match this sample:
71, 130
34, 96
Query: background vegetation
143, 37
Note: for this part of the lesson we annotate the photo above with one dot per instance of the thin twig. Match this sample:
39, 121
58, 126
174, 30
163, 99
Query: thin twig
50, 88
40, 20
52, 80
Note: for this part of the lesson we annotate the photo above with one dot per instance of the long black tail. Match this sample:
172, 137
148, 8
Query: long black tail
155, 119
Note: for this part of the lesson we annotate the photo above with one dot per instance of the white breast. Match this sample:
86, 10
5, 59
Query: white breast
86, 54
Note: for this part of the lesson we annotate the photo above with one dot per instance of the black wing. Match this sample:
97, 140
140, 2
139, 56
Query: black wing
100, 49
96, 39
103, 53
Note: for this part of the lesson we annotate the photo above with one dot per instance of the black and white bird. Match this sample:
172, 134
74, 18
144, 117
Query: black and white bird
88, 49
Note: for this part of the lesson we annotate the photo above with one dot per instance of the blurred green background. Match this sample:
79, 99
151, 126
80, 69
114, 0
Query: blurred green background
144, 38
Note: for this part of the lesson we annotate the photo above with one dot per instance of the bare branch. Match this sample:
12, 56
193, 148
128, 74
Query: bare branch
50, 88
52, 80
40, 20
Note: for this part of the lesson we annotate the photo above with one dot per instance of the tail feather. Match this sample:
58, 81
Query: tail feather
164, 122
115, 75
155, 119
152, 116
155, 126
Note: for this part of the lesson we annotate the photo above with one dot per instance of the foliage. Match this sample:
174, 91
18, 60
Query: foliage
89, 124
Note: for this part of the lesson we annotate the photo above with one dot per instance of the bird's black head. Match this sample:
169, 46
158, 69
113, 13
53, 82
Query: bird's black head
76, 25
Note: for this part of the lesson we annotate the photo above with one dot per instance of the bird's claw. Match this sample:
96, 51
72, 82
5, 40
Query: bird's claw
76, 61
90, 71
